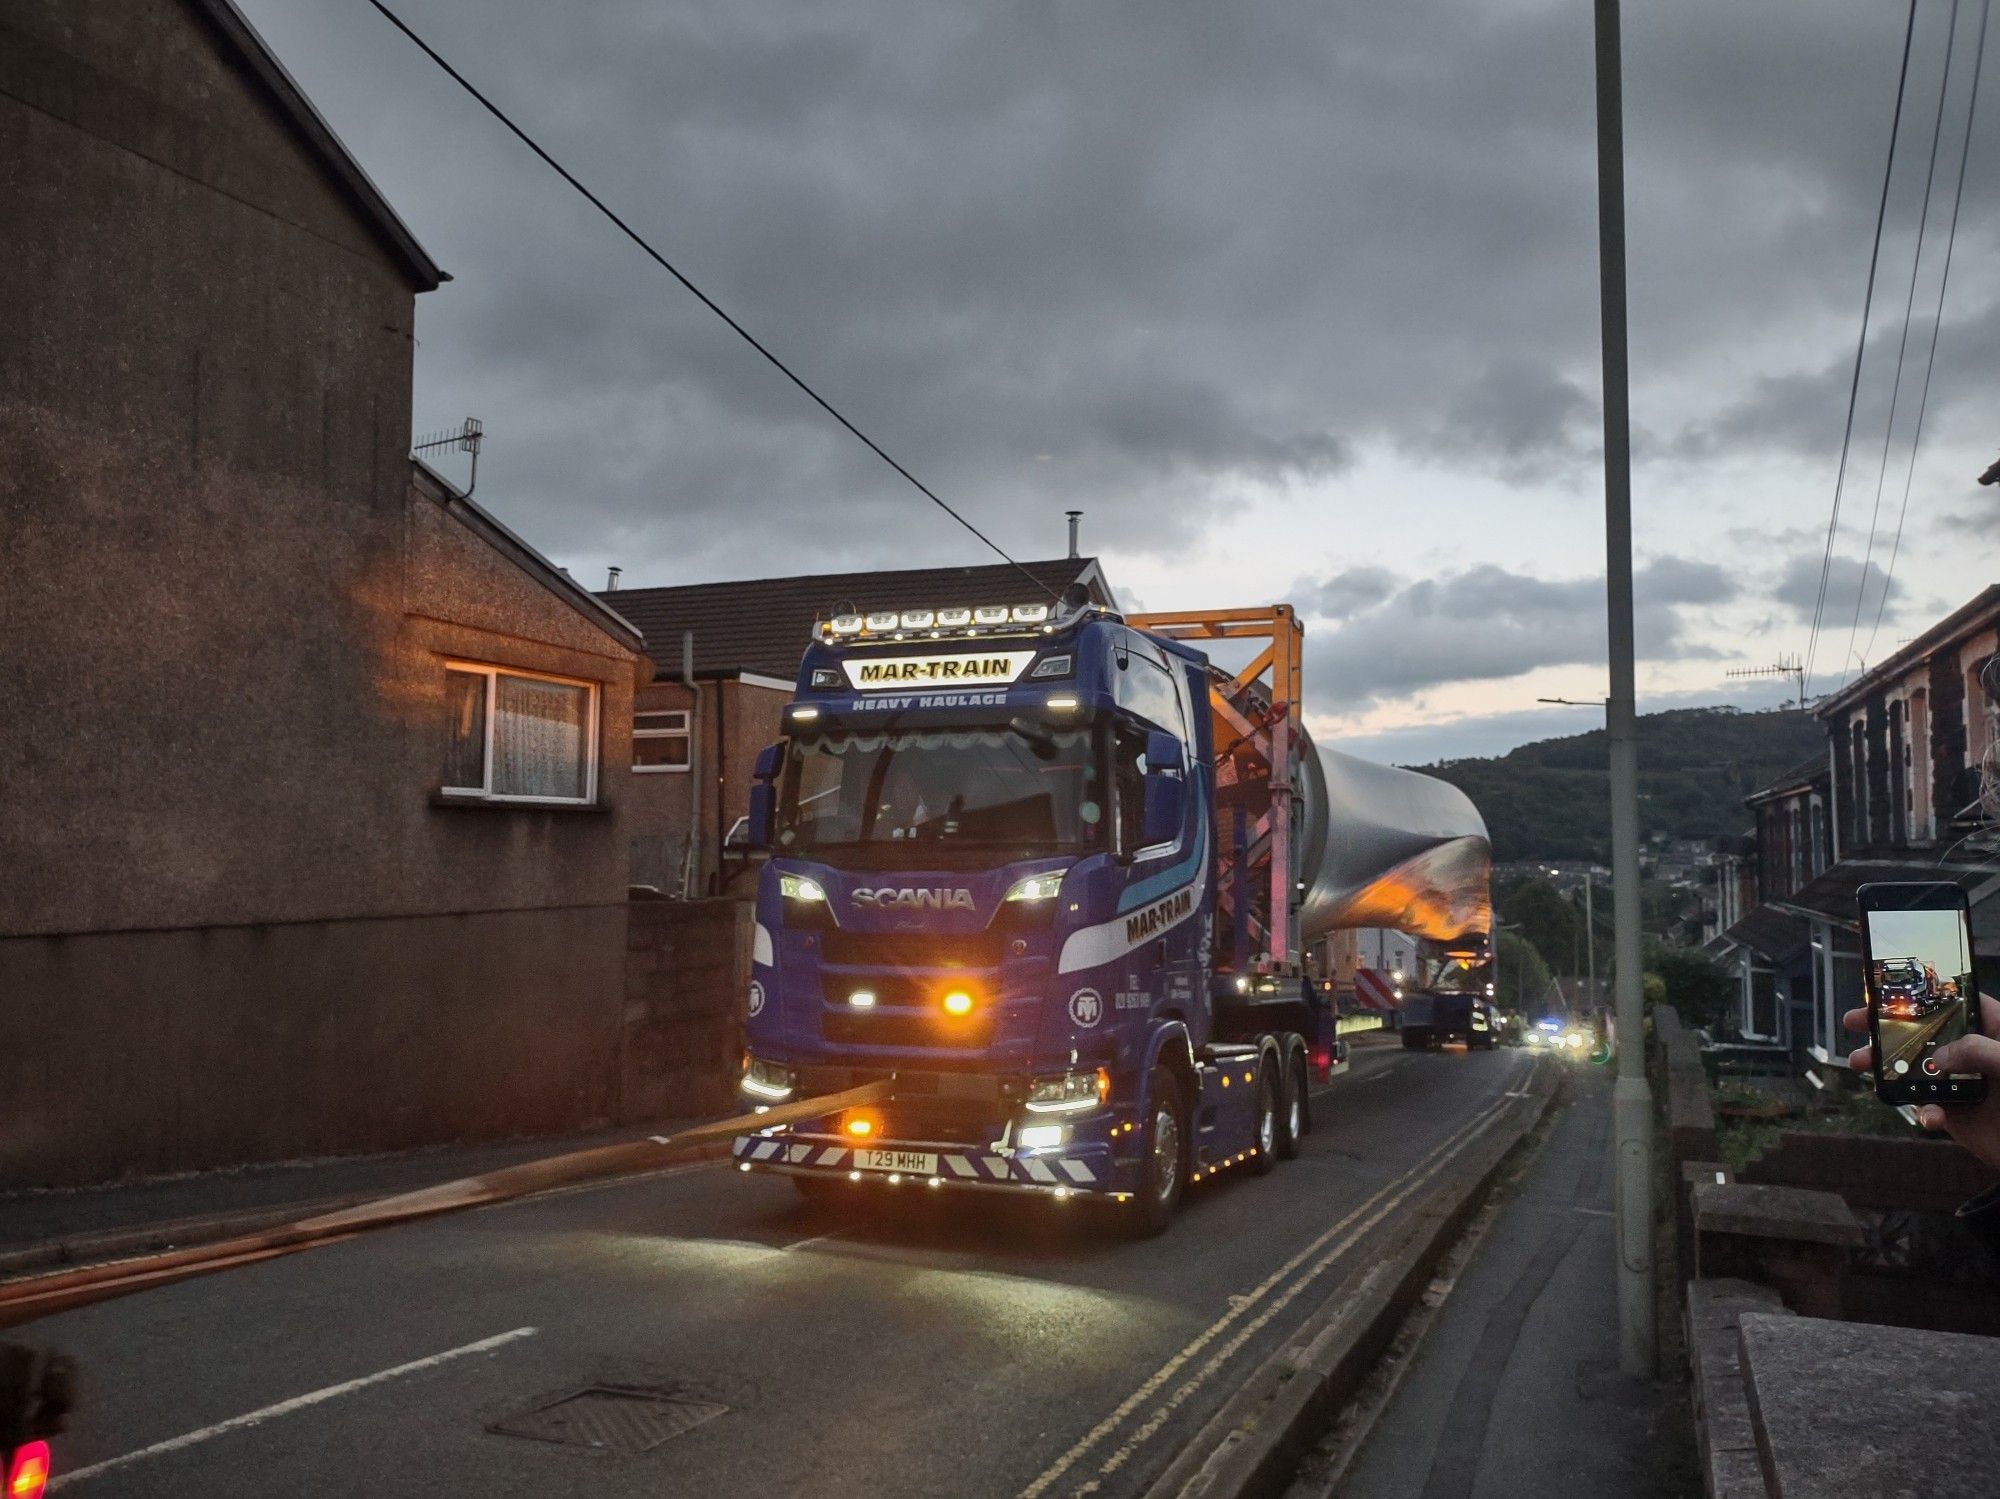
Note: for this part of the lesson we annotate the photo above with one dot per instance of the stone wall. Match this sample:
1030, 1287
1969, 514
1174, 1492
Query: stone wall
687, 971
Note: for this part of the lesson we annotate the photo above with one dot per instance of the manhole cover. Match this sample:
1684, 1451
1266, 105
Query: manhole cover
606, 1419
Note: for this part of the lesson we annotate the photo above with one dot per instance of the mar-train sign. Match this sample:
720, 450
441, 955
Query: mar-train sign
965, 669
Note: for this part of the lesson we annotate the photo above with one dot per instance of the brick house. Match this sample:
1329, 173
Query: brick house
312, 768
1910, 744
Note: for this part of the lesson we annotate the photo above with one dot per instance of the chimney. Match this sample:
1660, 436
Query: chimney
1075, 517
611, 582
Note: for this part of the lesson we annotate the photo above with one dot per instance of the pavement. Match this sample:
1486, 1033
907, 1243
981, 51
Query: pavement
1515, 1387
930, 1345
42, 1229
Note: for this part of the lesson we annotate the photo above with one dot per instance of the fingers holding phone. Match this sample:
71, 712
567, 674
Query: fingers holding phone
1931, 1038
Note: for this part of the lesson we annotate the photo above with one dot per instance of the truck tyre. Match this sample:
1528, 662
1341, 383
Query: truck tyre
1163, 1155
1295, 1121
1270, 1113
1411, 1040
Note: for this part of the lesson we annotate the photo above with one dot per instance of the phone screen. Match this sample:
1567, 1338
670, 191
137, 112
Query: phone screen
1919, 977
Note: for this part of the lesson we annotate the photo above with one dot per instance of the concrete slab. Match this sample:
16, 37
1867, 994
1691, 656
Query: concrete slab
1849, 1410
1798, 1214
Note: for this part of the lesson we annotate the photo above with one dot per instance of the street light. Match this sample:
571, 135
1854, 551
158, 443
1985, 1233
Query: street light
1632, 1099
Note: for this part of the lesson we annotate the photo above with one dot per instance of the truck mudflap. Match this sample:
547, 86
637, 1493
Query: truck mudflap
1083, 1167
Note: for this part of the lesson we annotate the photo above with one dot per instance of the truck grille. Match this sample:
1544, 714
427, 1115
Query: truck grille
907, 1027
911, 950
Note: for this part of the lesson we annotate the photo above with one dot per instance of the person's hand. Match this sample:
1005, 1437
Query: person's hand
1976, 1126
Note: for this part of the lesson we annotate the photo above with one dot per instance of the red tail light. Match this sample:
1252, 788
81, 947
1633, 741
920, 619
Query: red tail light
29, 1476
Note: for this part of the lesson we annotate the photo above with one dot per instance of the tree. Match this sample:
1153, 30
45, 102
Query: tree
1524, 977
1549, 921
1702, 990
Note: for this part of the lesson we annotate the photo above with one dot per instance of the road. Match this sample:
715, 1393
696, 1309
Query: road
1904, 1040
947, 1346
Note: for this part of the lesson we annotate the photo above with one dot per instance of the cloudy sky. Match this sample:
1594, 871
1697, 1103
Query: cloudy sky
1294, 302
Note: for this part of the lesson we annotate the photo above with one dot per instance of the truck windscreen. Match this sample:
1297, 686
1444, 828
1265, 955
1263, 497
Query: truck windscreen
1028, 791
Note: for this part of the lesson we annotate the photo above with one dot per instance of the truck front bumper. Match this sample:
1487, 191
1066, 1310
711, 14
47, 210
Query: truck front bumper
1062, 1171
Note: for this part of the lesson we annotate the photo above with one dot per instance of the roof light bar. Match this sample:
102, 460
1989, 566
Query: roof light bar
897, 624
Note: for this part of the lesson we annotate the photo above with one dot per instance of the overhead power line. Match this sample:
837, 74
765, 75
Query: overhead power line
1861, 347
1903, 342
701, 296
1937, 320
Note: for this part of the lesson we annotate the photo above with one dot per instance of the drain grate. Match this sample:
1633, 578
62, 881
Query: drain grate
605, 1418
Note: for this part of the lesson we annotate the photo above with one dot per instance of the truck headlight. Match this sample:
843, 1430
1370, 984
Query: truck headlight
762, 1079
801, 887
1072, 1093
1041, 1136
1038, 886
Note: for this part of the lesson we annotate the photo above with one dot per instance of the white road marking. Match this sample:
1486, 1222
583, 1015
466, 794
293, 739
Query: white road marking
832, 1233
1239, 1305
286, 1407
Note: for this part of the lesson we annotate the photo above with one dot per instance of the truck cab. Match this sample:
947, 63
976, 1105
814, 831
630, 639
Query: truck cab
991, 844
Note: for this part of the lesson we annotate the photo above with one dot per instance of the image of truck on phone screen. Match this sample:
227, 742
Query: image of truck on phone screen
1051, 872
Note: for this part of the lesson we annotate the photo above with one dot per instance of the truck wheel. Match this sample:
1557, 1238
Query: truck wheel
1164, 1156
1295, 1122
1270, 1104
1411, 1041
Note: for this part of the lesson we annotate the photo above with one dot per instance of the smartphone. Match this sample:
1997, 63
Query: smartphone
1916, 964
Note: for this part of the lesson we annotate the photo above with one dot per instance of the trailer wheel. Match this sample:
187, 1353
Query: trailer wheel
1295, 1122
1270, 1109
1164, 1155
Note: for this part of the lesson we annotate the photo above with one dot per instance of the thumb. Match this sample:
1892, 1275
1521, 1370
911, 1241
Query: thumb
1971, 1054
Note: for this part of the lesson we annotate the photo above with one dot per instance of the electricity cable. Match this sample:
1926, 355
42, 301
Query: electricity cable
701, 296
1854, 385
1937, 320
1903, 342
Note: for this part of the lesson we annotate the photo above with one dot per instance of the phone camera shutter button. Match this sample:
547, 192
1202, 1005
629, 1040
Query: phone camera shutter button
1931, 1066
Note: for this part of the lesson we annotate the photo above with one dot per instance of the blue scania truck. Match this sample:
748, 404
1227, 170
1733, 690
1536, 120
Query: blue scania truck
1013, 872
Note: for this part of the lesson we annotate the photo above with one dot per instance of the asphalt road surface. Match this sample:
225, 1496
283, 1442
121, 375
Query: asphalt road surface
927, 1345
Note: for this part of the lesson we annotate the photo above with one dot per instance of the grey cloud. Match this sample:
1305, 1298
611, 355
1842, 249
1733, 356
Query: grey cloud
1521, 420
1798, 587
1488, 623
1346, 593
1177, 249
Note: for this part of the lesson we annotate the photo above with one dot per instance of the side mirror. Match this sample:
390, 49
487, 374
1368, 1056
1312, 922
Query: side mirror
763, 813
764, 795
1166, 800
1166, 789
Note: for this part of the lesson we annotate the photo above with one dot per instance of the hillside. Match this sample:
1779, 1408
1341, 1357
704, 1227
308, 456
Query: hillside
1548, 800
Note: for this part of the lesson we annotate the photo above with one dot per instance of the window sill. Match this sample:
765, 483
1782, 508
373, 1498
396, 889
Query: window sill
476, 803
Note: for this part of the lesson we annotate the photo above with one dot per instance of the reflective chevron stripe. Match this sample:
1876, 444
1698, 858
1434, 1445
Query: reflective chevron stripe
1053, 1171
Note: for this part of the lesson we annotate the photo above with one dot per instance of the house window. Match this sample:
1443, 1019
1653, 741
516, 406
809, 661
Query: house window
660, 740
514, 737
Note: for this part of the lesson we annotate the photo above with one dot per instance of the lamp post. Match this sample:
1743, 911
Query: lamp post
1632, 1101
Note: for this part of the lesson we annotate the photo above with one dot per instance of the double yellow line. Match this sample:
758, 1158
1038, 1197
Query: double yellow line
1314, 1259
